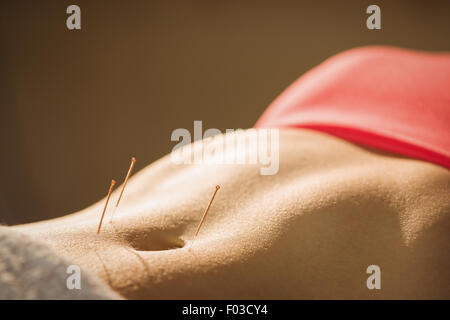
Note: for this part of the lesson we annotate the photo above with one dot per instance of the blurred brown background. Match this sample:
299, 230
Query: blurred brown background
76, 105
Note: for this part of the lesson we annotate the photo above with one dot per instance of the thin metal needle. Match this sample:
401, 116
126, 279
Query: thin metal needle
206, 211
113, 182
133, 160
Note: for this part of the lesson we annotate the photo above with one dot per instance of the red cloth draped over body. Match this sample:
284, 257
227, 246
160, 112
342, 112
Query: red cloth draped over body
391, 99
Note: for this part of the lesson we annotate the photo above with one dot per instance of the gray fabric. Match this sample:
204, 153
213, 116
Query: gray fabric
32, 270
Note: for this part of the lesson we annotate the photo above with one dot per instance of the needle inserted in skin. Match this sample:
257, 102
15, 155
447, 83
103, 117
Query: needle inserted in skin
133, 160
113, 182
206, 211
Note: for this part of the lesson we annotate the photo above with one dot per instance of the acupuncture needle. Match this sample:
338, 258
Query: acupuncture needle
133, 160
205, 214
113, 182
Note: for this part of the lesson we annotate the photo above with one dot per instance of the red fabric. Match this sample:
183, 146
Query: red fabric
392, 99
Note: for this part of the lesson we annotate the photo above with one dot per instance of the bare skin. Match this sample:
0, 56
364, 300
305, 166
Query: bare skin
310, 231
